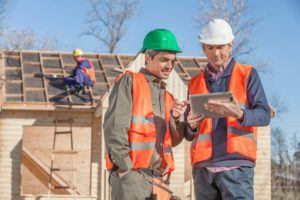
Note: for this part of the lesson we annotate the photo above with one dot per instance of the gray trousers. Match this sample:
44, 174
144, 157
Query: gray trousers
235, 184
131, 186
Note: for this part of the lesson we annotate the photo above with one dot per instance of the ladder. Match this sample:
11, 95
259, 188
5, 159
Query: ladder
56, 182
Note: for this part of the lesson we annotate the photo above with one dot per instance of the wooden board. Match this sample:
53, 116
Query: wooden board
37, 146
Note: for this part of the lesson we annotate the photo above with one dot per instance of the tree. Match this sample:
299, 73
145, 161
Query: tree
285, 168
107, 18
27, 39
279, 146
3, 6
235, 13
279, 106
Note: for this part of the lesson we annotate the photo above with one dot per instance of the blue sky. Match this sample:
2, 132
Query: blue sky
277, 37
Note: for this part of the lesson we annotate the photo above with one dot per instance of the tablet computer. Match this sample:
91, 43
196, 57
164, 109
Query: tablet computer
197, 102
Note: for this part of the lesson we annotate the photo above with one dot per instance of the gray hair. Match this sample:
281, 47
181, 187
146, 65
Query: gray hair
151, 53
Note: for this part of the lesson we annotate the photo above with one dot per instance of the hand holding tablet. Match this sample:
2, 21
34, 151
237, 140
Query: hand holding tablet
198, 102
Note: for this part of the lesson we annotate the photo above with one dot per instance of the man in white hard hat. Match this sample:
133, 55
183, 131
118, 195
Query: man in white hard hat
223, 151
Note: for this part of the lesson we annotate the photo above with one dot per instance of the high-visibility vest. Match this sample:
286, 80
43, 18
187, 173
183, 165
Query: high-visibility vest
142, 132
90, 72
240, 139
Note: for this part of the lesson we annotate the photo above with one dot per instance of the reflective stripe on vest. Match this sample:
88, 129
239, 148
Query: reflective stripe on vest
142, 132
90, 72
240, 139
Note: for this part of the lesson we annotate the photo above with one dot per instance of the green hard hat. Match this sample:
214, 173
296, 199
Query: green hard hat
160, 39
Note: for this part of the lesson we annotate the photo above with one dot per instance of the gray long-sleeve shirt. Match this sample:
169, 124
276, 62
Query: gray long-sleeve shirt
118, 119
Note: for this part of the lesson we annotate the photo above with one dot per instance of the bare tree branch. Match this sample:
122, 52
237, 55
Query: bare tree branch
27, 39
3, 7
279, 105
106, 20
279, 146
235, 13
286, 170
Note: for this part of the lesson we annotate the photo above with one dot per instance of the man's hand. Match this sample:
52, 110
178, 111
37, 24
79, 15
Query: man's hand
194, 120
178, 108
225, 109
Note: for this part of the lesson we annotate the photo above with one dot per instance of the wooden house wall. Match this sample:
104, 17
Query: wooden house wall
11, 130
262, 175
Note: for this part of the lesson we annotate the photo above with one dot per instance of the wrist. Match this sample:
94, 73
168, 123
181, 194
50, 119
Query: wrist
193, 129
176, 118
241, 115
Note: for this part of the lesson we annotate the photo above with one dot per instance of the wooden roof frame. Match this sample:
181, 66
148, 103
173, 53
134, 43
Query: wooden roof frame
25, 104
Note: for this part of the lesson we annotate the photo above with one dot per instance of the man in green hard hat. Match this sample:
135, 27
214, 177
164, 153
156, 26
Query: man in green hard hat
141, 123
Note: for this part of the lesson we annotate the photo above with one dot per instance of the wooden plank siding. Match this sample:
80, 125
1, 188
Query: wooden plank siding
11, 130
262, 175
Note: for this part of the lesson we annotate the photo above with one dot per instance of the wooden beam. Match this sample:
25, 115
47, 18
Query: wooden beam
32, 162
31, 62
46, 106
22, 76
10, 56
200, 66
187, 75
105, 75
120, 62
34, 89
65, 74
44, 79
2, 79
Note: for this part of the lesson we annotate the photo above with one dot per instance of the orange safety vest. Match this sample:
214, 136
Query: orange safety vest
240, 139
90, 72
142, 132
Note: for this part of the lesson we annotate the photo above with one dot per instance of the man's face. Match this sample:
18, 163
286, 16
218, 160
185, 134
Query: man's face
217, 55
161, 64
77, 58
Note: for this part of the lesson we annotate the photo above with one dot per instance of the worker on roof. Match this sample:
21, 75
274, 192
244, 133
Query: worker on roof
223, 151
141, 122
83, 75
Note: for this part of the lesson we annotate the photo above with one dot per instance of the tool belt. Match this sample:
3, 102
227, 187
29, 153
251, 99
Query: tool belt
160, 185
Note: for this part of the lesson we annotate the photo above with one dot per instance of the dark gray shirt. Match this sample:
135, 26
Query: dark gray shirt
118, 119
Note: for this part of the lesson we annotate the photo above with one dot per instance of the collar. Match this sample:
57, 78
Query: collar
151, 78
81, 60
225, 69
222, 68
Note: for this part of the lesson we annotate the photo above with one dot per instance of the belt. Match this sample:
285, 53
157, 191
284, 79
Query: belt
151, 172
147, 171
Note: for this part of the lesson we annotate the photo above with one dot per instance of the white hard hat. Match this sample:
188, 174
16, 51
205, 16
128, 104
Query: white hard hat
216, 32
